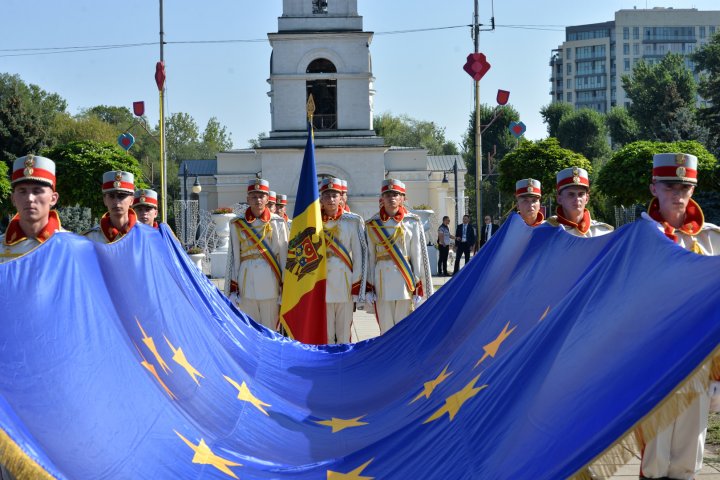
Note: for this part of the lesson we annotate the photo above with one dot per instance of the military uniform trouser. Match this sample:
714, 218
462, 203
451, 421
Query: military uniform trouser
265, 312
677, 450
390, 312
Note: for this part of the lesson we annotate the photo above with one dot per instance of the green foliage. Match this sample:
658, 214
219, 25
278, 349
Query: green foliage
622, 127
552, 115
5, 190
707, 64
403, 131
584, 131
540, 159
66, 129
75, 218
496, 141
80, 166
660, 93
626, 177
26, 112
255, 142
120, 117
216, 137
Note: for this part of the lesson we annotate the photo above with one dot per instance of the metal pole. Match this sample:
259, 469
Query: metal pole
457, 199
185, 202
163, 164
478, 134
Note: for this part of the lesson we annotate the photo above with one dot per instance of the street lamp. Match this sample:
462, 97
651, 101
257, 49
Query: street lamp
197, 188
455, 176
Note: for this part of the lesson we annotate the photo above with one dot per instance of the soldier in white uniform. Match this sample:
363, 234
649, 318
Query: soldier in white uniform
281, 208
676, 452
256, 258
118, 189
344, 199
573, 194
145, 204
527, 195
272, 202
398, 266
33, 196
347, 260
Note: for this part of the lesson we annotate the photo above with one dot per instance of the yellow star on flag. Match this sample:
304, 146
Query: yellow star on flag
354, 475
151, 368
180, 359
455, 401
492, 348
245, 395
150, 344
339, 424
205, 456
432, 385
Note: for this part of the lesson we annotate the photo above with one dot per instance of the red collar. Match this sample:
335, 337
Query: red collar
111, 233
693, 223
156, 225
384, 216
15, 233
538, 220
338, 214
285, 217
265, 217
581, 227
346, 208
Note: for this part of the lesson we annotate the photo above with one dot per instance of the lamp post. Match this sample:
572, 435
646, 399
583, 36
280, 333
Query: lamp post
185, 201
455, 177
197, 188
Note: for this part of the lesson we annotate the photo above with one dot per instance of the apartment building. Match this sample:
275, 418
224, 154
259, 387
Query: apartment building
588, 66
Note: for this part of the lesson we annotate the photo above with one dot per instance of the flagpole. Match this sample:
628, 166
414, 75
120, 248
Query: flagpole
161, 89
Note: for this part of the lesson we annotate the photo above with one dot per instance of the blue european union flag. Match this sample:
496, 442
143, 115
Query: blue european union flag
122, 361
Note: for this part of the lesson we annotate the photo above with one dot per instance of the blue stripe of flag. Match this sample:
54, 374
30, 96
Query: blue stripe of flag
307, 189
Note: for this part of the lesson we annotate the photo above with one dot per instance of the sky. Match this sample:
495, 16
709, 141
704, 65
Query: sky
223, 72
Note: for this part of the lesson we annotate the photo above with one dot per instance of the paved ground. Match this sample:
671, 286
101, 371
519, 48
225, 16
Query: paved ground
365, 326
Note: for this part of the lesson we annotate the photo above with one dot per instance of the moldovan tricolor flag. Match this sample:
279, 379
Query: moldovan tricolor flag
303, 298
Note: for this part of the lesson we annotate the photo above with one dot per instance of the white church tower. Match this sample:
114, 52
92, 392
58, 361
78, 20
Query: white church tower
321, 49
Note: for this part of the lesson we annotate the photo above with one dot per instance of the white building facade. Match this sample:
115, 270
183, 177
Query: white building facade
320, 48
586, 69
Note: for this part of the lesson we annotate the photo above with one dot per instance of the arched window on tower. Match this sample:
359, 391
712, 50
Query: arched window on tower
324, 92
319, 6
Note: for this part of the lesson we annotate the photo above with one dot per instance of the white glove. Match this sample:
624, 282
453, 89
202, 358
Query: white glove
417, 300
235, 298
357, 299
714, 392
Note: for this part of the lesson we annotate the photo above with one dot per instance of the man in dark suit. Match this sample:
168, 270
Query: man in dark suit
488, 230
464, 240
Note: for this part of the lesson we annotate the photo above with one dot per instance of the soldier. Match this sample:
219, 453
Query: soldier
398, 266
272, 201
527, 195
347, 260
33, 196
573, 193
345, 206
676, 452
145, 204
281, 207
256, 258
118, 189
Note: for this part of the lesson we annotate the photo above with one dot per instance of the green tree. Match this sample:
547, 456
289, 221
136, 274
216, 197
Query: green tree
255, 142
540, 159
80, 166
626, 177
403, 131
216, 138
5, 205
120, 117
496, 142
552, 115
66, 129
75, 218
584, 131
707, 64
622, 127
26, 113
659, 93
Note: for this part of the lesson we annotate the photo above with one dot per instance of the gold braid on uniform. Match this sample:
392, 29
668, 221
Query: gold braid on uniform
17, 462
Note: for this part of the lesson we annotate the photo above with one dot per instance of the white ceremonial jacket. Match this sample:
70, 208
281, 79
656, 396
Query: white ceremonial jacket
248, 274
596, 228
344, 284
707, 240
17, 248
383, 274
